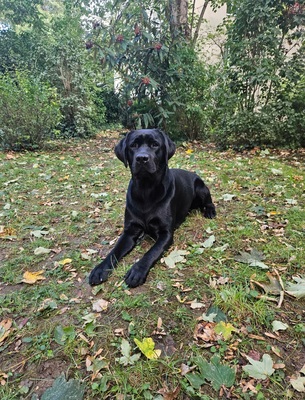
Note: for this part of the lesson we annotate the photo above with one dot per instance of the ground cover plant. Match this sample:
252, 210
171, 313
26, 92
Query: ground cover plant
221, 316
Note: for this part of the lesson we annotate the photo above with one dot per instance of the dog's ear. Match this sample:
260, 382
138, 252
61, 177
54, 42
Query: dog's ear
120, 151
169, 146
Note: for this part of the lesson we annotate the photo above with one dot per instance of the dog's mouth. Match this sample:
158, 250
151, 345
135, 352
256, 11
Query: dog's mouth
143, 168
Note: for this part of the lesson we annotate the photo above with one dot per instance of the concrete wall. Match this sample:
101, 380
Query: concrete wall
210, 43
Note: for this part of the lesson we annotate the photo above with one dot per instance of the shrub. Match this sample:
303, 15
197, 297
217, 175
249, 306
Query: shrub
192, 97
29, 111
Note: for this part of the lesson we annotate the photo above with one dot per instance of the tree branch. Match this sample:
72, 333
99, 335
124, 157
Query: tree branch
203, 10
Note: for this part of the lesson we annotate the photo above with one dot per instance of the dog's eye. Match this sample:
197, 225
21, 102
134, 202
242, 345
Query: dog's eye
134, 145
154, 144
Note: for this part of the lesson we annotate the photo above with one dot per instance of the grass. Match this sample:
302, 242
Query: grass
74, 194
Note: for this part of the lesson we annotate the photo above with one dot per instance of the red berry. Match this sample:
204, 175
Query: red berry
146, 80
120, 38
137, 30
158, 46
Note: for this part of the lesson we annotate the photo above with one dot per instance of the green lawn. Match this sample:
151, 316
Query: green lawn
210, 314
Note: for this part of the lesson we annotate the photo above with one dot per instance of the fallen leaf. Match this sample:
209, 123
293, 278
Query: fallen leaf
279, 326
147, 347
291, 202
62, 389
273, 287
208, 317
3, 378
127, 358
218, 374
65, 261
32, 277
259, 369
225, 329
100, 305
195, 305
7, 232
248, 386
298, 383
296, 289
38, 233
168, 394
206, 331
209, 242
175, 257
228, 197
5, 326
254, 259
47, 304
276, 171
41, 250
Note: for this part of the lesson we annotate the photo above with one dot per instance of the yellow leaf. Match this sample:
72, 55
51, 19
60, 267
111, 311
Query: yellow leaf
275, 213
6, 231
32, 277
65, 261
225, 329
189, 151
147, 347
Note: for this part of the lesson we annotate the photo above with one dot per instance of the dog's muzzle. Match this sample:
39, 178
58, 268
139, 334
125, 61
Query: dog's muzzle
142, 158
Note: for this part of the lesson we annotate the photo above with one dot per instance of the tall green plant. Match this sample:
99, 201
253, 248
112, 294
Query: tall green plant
141, 45
29, 111
47, 39
261, 38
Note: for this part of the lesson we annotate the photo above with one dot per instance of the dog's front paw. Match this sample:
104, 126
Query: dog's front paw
210, 211
99, 274
136, 276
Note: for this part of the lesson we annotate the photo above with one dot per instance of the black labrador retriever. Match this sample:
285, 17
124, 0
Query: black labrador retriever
158, 200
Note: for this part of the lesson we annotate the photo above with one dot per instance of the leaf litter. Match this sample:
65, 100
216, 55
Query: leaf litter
97, 364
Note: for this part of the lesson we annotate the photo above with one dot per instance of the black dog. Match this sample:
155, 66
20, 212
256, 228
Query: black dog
158, 200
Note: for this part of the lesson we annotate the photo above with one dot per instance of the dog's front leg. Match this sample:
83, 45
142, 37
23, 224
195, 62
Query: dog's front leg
137, 274
124, 245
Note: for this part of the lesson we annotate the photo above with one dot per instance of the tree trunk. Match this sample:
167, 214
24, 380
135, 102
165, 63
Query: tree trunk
178, 10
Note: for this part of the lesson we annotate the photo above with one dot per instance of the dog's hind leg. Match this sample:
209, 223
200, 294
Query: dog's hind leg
203, 200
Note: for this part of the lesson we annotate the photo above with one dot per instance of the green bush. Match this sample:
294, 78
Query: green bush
29, 112
192, 97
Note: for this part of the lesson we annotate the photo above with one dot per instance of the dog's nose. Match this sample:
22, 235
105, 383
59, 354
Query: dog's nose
142, 158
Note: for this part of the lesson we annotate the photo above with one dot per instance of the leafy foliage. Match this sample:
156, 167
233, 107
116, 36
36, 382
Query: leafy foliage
218, 374
63, 389
142, 46
264, 53
29, 111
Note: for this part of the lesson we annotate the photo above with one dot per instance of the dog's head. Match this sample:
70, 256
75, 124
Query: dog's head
146, 151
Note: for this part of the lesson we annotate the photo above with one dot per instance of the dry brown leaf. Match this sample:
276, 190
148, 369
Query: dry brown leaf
100, 305
206, 331
119, 332
5, 326
248, 386
257, 337
276, 351
7, 232
168, 394
185, 369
